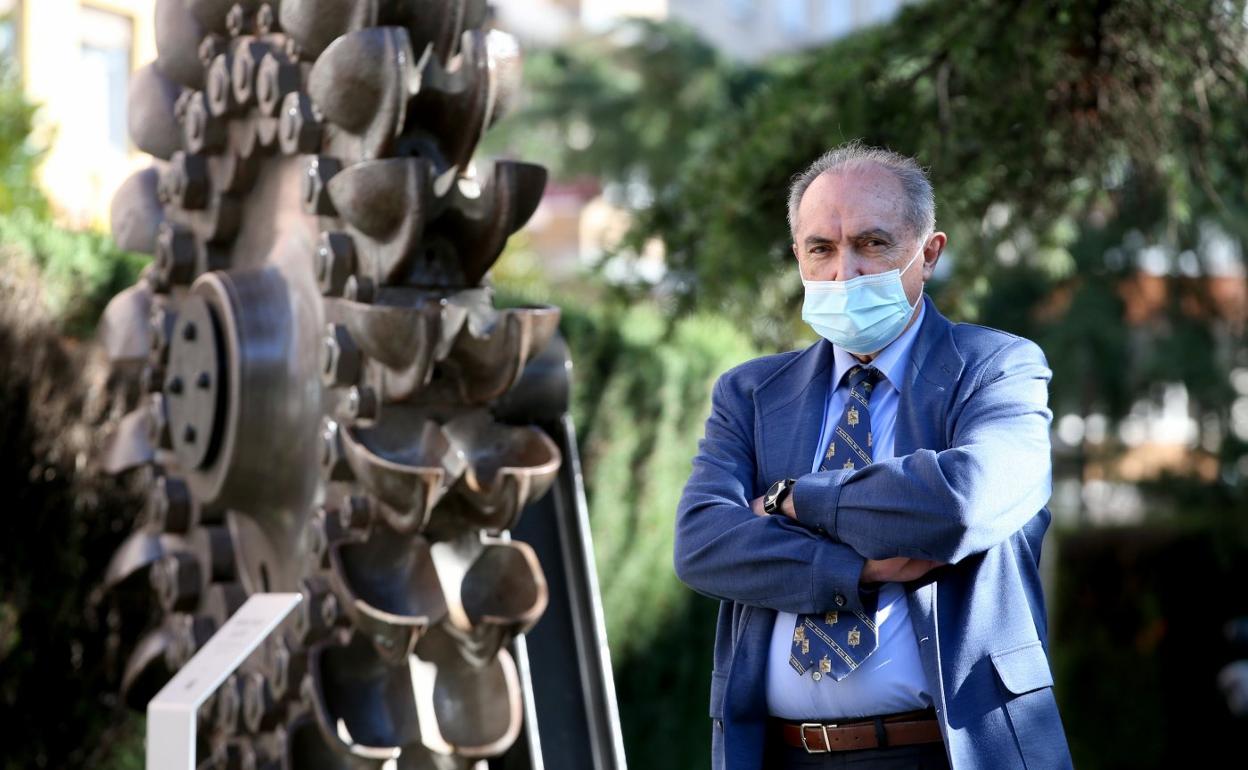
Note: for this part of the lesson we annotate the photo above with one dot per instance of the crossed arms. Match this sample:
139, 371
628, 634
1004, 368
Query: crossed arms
926, 507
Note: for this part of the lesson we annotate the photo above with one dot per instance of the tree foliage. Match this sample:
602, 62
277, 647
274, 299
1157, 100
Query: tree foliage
79, 272
19, 155
630, 117
641, 393
62, 521
1066, 140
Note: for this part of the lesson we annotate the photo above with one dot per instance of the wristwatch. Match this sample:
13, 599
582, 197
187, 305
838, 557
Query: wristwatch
776, 494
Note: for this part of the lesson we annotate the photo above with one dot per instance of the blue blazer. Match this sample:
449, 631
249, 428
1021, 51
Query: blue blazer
967, 488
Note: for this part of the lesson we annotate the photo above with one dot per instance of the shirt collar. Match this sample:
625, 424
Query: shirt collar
892, 359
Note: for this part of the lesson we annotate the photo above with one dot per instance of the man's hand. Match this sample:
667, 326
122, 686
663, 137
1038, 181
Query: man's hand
899, 569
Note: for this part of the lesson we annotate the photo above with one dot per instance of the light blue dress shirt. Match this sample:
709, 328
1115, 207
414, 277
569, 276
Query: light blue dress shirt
891, 679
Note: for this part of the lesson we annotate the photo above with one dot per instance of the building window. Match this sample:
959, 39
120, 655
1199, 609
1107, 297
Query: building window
742, 10
9, 15
793, 18
107, 40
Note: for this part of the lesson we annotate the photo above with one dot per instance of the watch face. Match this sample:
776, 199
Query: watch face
769, 500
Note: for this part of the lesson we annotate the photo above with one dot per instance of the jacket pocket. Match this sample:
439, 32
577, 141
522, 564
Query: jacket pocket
719, 683
1027, 690
1023, 669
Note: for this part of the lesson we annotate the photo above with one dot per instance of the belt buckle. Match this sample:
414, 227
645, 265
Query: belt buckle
827, 744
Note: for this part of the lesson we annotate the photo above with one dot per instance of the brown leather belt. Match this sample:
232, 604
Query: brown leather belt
893, 730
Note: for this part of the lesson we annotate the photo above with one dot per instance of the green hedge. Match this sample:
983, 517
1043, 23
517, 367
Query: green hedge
1136, 640
79, 272
61, 522
640, 395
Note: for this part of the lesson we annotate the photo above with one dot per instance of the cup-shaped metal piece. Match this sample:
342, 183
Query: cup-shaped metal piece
402, 339
130, 443
314, 24
480, 217
390, 588
473, 710
177, 43
507, 468
478, 709
150, 113
307, 747
146, 671
362, 704
495, 589
136, 212
403, 462
486, 362
453, 98
124, 331
507, 71
360, 84
504, 587
385, 204
131, 563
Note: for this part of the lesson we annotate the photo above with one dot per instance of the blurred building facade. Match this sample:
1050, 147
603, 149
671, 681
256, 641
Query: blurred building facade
75, 59
749, 30
579, 222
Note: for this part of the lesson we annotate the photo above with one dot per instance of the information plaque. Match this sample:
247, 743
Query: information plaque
171, 715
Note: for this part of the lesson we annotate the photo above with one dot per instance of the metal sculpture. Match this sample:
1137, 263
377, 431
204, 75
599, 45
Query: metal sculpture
320, 387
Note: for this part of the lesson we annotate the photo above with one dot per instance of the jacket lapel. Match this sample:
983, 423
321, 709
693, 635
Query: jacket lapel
935, 366
922, 413
788, 408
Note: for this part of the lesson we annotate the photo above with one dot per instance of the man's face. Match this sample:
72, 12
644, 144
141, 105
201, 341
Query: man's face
852, 223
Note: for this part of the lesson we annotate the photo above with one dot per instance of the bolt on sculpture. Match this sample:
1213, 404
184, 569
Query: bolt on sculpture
309, 371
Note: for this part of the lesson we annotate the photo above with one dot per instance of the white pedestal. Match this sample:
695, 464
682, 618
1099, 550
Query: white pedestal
171, 715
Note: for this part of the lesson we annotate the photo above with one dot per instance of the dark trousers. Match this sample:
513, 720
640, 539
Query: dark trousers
924, 756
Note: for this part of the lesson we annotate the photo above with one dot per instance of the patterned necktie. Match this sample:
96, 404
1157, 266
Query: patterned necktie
836, 642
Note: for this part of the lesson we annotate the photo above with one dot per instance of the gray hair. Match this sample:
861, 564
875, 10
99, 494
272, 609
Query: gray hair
921, 203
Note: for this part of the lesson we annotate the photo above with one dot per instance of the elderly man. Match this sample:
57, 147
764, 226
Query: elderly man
869, 510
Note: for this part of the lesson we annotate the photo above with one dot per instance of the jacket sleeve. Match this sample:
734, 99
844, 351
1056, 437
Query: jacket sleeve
727, 552
946, 505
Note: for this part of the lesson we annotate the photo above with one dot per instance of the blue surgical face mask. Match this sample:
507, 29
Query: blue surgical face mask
861, 315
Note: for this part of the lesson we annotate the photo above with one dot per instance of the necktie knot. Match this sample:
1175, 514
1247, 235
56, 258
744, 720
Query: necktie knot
860, 375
